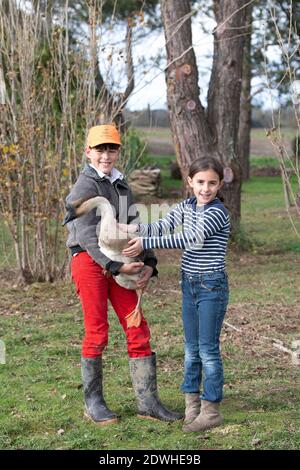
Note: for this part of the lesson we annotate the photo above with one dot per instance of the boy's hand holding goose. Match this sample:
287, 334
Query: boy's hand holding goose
145, 275
132, 268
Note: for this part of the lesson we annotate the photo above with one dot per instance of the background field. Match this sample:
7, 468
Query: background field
160, 141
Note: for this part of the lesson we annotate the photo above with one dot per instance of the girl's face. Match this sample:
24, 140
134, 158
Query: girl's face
205, 185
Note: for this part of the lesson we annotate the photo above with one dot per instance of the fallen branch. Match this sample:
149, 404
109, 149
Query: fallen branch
278, 344
231, 326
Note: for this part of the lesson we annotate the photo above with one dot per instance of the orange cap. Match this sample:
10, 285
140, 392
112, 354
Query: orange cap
105, 134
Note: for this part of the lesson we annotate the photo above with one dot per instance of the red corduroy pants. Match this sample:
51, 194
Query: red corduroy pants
94, 290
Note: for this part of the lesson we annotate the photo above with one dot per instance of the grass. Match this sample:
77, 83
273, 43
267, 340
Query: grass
263, 200
41, 325
286, 132
263, 162
167, 182
42, 399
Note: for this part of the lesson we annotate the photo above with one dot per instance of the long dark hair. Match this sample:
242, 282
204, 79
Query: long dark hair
207, 163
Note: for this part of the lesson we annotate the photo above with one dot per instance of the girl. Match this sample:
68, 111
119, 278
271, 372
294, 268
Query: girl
204, 237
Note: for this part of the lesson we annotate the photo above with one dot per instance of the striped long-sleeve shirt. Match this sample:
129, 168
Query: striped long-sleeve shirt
203, 237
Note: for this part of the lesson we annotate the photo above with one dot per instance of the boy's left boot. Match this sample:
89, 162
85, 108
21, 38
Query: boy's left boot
208, 418
95, 407
143, 376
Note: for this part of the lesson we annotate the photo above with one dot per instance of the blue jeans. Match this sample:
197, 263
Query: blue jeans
204, 303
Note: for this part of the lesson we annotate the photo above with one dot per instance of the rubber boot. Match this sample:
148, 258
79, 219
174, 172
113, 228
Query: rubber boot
143, 376
192, 407
95, 406
208, 418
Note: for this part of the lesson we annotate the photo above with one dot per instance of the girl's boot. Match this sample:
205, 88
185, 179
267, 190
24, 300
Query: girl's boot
208, 418
192, 407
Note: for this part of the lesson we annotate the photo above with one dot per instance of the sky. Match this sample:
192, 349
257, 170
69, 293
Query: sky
150, 86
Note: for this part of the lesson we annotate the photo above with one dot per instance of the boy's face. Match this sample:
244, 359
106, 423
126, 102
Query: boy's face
103, 157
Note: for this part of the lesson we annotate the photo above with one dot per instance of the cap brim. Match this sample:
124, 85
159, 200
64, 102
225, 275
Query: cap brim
104, 141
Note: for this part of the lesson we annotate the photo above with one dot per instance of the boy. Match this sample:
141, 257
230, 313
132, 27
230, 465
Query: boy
91, 271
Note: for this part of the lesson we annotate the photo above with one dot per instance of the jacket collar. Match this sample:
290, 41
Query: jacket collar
92, 173
115, 174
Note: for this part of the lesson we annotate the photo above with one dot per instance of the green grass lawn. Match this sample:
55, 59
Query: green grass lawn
41, 325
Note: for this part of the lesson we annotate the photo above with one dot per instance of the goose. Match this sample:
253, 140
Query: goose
111, 241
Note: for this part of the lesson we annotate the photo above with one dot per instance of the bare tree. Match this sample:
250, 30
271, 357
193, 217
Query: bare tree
245, 109
50, 93
195, 132
38, 121
261, 35
289, 161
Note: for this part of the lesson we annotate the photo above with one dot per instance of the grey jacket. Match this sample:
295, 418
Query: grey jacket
83, 232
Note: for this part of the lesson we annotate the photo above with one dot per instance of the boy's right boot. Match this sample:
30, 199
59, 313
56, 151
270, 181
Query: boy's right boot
143, 376
192, 407
95, 406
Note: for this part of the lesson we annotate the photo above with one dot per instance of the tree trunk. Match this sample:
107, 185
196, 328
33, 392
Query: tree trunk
190, 131
224, 95
2, 87
195, 135
245, 109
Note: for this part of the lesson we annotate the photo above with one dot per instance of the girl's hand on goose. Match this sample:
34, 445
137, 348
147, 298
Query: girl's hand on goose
134, 249
132, 228
131, 268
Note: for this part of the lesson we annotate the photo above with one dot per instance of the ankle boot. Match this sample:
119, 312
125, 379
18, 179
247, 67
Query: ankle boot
208, 418
143, 376
95, 406
192, 407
